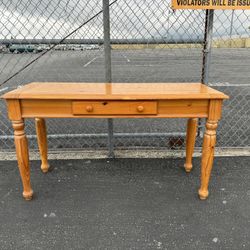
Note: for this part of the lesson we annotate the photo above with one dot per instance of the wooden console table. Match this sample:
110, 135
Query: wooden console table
118, 100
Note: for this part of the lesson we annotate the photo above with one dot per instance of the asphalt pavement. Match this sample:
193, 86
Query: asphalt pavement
126, 204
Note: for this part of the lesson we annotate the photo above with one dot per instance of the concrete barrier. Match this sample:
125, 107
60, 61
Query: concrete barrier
232, 43
247, 43
154, 46
217, 43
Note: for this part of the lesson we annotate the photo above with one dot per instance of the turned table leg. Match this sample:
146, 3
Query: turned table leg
190, 142
209, 142
42, 143
22, 153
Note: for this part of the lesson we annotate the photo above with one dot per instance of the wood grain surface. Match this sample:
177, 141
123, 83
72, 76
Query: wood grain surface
115, 91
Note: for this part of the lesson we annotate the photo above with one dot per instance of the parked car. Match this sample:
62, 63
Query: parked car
2, 48
23, 48
91, 47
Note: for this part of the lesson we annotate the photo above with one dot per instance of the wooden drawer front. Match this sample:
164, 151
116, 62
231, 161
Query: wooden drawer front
114, 107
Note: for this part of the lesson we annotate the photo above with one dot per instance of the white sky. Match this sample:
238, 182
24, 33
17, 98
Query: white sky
129, 19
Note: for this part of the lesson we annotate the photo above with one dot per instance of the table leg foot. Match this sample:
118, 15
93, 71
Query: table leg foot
203, 194
188, 167
45, 168
28, 195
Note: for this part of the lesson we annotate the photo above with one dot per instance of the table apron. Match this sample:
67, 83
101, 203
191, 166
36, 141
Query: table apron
147, 108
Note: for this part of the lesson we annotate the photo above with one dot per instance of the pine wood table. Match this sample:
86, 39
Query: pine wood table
116, 100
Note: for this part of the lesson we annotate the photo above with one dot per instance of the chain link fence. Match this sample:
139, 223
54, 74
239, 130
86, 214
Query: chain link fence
63, 41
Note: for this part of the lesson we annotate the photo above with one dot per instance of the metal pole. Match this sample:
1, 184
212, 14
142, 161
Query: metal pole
108, 73
207, 45
231, 28
106, 34
208, 36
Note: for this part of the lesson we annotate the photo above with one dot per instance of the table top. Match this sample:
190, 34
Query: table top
114, 91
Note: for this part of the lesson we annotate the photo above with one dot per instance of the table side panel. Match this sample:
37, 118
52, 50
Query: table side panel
184, 108
46, 108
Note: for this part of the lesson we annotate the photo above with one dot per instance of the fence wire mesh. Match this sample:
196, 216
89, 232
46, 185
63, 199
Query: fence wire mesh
150, 43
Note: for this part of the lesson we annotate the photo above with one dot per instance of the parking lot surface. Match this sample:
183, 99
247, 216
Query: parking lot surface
126, 204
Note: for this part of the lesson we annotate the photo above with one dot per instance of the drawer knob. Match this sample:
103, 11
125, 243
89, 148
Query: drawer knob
140, 108
89, 108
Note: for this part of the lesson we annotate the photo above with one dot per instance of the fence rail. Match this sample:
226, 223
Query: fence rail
101, 41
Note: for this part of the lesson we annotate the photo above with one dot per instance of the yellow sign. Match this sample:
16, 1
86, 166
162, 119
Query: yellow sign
211, 4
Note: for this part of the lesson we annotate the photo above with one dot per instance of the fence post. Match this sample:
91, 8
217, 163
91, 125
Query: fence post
208, 36
108, 73
231, 25
207, 45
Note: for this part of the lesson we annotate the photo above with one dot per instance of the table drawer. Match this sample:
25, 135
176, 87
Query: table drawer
114, 107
